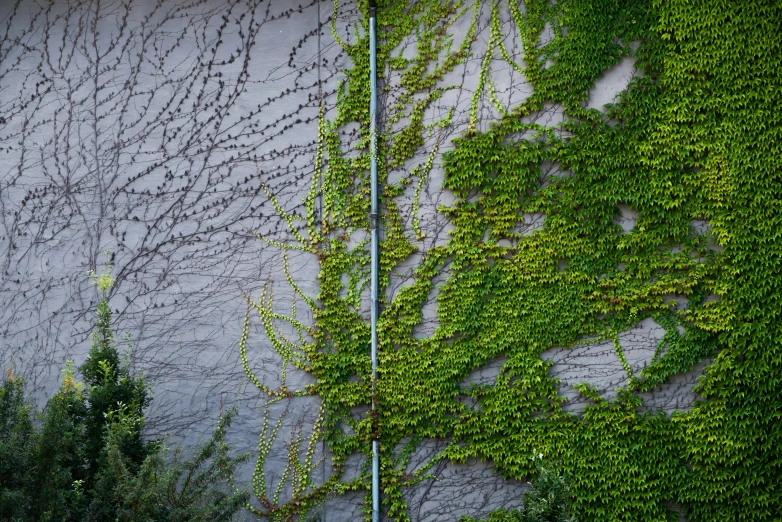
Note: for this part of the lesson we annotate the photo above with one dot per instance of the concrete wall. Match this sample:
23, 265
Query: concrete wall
144, 129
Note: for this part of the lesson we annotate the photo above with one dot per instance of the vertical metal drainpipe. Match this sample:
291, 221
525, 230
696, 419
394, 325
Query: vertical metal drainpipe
375, 245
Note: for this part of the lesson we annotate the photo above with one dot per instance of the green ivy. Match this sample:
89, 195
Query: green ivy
695, 136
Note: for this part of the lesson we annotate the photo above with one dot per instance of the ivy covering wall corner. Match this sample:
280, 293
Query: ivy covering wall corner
695, 138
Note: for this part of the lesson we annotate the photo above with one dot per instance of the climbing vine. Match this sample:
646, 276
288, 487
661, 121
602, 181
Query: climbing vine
694, 138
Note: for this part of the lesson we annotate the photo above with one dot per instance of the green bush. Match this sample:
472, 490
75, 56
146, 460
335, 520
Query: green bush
57, 470
16, 428
112, 394
546, 501
166, 487
83, 456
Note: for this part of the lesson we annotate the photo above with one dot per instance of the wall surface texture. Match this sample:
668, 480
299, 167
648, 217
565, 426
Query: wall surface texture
172, 134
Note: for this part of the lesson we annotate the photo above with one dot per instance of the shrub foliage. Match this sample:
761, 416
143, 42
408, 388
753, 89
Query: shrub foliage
83, 457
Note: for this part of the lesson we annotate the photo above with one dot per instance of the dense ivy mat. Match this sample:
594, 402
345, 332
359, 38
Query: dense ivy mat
695, 137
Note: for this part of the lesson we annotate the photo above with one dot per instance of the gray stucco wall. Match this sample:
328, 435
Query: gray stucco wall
143, 129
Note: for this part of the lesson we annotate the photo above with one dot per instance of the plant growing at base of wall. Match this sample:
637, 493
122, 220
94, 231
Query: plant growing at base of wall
16, 428
111, 391
85, 458
547, 501
166, 486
